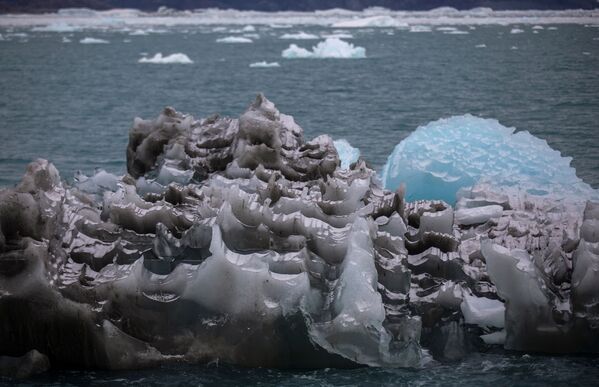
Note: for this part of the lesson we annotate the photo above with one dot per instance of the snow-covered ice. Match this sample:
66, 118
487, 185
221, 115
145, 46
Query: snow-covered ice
234, 39
265, 64
93, 41
173, 58
330, 48
301, 35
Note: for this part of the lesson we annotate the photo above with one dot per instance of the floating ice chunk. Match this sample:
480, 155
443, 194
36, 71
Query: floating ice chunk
445, 155
483, 311
264, 64
537, 27
339, 35
173, 58
138, 33
456, 32
299, 36
446, 29
477, 215
481, 46
234, 39
514, 48
420, 29
347, 153
516, 31
249, 28
552, 28
66, 40
495, 338
330, 48
372, 21
93, 41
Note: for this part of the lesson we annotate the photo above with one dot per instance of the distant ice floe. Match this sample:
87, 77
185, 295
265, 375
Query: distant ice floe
173, 58
516, 31
117, 19
264, 64
456, 32
538, 27
420, 29
138, 33
299, 36
234, 39
372, 21
66, 40
57, 27
330, 48
440, 158
338, 35
93, 41
481, 46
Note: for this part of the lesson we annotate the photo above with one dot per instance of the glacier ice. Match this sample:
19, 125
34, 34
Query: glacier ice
329, 48
168, 59
439, 158
301, 35
347, 153
93, 41
371, 21
265, 64
234, 39
237, 239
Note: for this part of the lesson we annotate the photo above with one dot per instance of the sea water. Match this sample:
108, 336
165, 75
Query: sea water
73, 104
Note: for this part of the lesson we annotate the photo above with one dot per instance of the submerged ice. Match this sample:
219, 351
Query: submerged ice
237, 240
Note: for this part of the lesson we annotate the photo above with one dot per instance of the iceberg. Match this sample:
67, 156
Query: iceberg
238, 240
93, 41
234, 39
299, 36
264, 64
440, 158
330, 48
173, 58
516, 31
371, 21
347, 153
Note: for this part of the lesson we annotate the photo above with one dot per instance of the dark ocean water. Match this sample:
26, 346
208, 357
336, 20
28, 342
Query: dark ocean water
73, 104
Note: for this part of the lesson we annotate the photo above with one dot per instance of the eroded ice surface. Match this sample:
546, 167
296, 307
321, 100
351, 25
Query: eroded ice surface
330, 48
237, 240
438, 159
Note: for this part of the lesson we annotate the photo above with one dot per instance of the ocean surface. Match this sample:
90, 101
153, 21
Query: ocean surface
73, 104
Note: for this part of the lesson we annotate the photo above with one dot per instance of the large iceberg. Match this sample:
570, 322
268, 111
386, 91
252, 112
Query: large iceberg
237, 240
330, 48
440, 158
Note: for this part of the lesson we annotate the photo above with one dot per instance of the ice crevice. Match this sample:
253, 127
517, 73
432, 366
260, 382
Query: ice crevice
237, 239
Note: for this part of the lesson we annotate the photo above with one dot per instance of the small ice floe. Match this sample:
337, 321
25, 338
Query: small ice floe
234, 39
249, 28
138, 33
516, 31
420, 29
264, 64
56, 27
338, 35
446, 29
514, 48
538, 27
251, 36
66, 40
93, 41
552, 28
126, 40
586, 53
169, 59
330, 48
299, 36
456, 32
481, 46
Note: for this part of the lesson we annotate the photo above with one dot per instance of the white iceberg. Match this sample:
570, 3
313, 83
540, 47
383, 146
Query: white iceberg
93, 41
330, 48
234, 39
299, 36
347, 153
438, 159
264, 64
372, 21
249, 28
173, 58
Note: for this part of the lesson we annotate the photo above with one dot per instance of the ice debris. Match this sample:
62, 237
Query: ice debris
265, 64
173, 58
234, 39
301, 35
330, 48
93, 41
